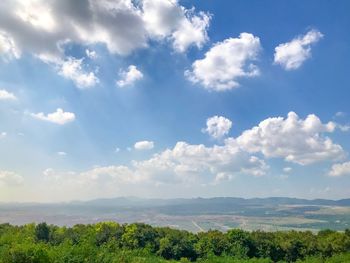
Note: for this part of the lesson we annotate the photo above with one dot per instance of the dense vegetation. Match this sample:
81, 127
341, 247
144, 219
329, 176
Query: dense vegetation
111, 242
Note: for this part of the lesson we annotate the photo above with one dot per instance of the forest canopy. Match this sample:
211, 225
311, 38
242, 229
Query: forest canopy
138, 242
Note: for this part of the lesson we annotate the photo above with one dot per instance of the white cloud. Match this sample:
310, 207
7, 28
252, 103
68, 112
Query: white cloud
161, 17
167, 19
294, 139
61, 153
63, 177
287, 169
223, 177
36, 14
5, 95
3, 135
340, 114
72, 69
58, 117
191, 30
257, 167
130, 76
184, 164
43, 27
218, 126
343, 128
187, 163
8, 49
91, 54
48, 172
144, 145
340, 169
8, 178
119, 174
291, 55
226, 62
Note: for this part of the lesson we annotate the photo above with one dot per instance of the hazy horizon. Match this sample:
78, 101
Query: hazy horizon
161, 198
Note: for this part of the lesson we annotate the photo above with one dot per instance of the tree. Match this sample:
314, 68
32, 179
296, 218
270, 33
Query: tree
42, 232
176, 244
140, 235
241, 244
212, 242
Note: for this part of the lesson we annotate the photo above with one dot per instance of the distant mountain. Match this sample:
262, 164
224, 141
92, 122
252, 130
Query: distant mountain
125, 202
203, 202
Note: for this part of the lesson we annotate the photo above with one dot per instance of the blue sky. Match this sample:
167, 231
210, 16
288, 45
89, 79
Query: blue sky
170, 98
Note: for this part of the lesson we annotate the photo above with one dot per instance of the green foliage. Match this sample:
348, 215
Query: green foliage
42, 232
212, 242
26, 253
175, 244
240, 242
140, 236
110, 242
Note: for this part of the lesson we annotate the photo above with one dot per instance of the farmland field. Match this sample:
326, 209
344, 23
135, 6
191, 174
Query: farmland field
194, 215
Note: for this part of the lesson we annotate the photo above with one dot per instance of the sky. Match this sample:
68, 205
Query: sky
167, 98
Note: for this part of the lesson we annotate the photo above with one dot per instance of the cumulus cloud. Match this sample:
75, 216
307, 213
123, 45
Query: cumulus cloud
5, 95
144, 145
169, 20
218, 126
340, 169
192, 30
91, 54
291, 55
72, 69
189, 163
130, 76
59, 116
257, 167
183, 164
43, 27
226, 62
8, 178
294, 139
